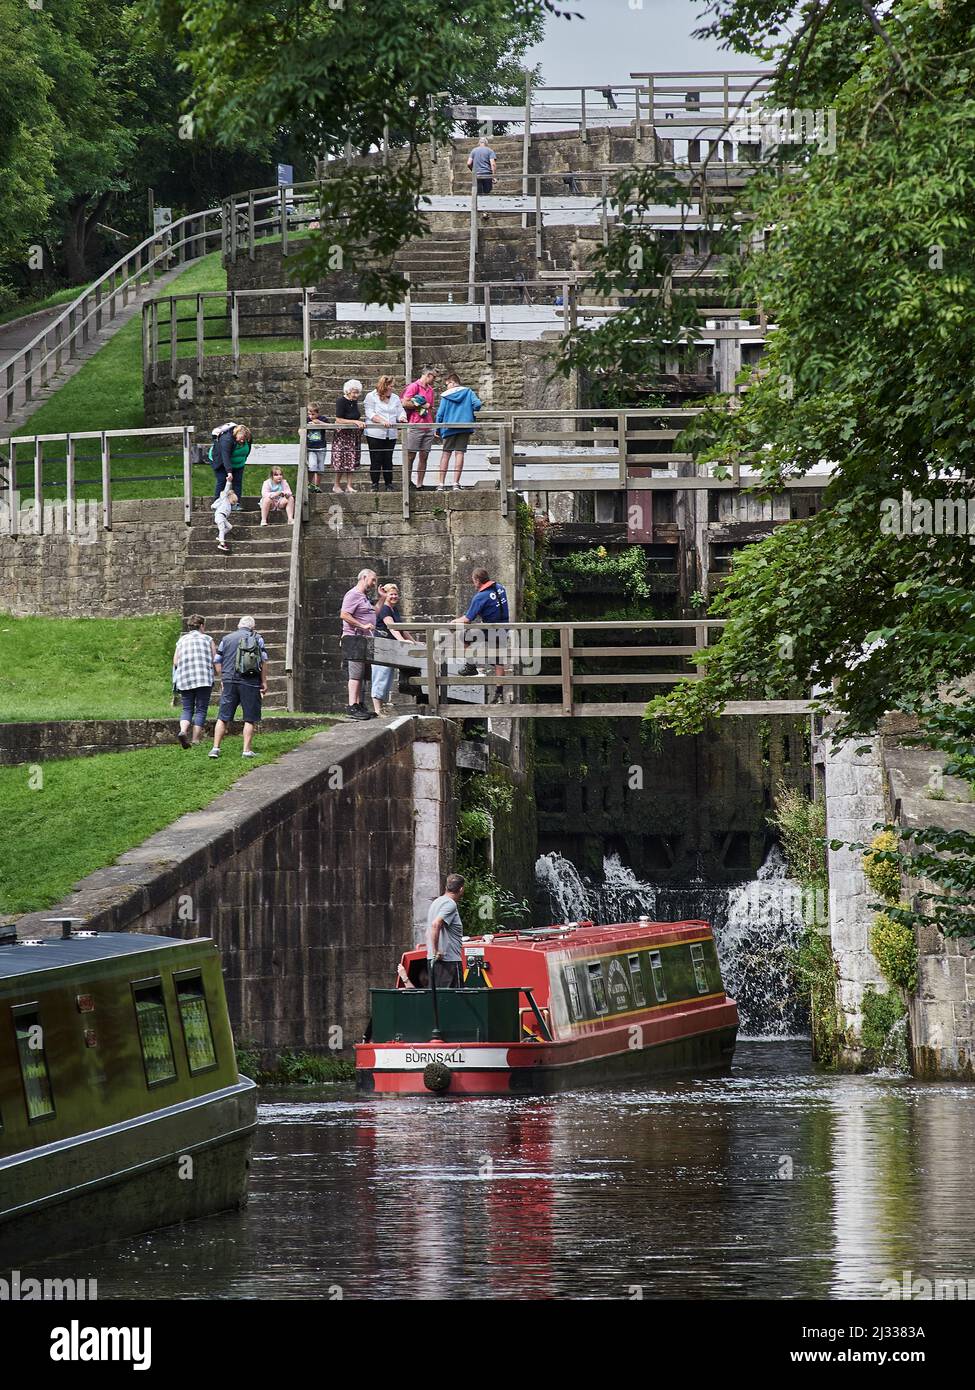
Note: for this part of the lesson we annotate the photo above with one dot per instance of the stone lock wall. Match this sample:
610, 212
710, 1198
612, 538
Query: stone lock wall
133, 570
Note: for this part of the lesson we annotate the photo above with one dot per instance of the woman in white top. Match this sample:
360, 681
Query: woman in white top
383, 410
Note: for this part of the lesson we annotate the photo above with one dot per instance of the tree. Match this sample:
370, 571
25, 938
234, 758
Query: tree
344, 73
870, 280
26, 135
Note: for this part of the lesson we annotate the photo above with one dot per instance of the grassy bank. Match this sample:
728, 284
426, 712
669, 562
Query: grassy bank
34, 306
67, 819
86, 668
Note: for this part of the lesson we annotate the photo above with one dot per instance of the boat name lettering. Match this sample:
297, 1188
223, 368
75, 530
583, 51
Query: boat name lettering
456, 1059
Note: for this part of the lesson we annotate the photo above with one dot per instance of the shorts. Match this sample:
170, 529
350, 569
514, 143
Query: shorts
360, 668
457, 443
279, 502
316, 460
420, 438
447, 974
241, 693
484, 187
382, 681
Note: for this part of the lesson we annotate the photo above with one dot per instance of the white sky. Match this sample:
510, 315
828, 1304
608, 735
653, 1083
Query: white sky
618, 37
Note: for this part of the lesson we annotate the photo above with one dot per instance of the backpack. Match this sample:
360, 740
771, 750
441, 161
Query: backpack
247, 659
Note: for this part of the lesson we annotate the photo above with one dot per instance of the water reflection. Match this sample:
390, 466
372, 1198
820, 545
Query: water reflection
771, 1182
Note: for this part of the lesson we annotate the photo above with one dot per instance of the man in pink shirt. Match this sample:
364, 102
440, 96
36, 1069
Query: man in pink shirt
358, 626
417, 401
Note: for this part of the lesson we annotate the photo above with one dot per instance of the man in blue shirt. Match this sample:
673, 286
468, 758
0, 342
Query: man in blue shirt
241, 662
489, 605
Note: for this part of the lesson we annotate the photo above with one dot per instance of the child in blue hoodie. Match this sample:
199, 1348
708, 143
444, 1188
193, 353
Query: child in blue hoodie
455, 424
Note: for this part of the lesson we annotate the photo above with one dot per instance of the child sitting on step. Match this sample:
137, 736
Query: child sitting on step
221, 508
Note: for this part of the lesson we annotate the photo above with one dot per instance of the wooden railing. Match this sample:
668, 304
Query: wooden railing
506, 649
294, 569
186, 239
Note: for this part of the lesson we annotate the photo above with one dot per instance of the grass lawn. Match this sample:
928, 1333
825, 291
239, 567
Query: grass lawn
88, 811
86, 668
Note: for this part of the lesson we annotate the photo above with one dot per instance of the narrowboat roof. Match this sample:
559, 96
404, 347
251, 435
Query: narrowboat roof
586, 935
58, 953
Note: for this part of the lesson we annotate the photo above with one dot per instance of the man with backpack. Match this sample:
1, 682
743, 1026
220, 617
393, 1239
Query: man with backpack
489, 605
241, 662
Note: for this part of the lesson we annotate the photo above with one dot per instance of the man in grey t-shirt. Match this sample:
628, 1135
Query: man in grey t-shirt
445, 935
484, 165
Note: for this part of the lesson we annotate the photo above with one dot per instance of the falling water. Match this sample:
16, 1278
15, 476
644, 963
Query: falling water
757, 926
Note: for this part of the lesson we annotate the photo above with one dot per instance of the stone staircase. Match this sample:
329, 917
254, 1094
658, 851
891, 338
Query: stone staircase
252, 579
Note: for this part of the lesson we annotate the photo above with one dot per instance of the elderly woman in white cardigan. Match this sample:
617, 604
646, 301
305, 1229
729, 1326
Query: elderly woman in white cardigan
347, 443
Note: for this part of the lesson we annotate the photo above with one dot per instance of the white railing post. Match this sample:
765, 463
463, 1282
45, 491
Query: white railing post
305, 333
408, 329
69, 488
488, 347
187, 477
13, 508
527, 143
283, 202
38, 487
235, 331
106, 482
200, 331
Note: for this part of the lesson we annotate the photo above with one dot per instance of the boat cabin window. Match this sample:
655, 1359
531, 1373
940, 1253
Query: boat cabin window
636, 981
33, 1064
657, 973
197, 1034
700, 969
154, 1034
597, 988
573, 996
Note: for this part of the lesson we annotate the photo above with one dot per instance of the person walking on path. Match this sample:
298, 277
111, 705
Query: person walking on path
489, 605
347, 443
276, 496
221, 509
383, 411
388, 620
193, 677
455, 420
420, 435
445, 935
358, 627
228, 454
241, 662
483, 164
316, 441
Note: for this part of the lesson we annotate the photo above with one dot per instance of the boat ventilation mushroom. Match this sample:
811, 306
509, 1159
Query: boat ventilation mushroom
436, 1076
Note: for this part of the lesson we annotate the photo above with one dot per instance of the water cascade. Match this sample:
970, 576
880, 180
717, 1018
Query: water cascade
757, 925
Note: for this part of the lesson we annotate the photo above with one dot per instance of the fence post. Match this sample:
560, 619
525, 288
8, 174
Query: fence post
154, 321
106, 483
69, 488
235, 331
283, 202
38, 487
73, 330
603, 216
472, 253
506, 465
538, 220
583, 133
405, 470
250, 224
565, 667
12, 498
700, 641
232, 229
85, 320
408, 329
200, 331
173, 338
28, 374
305, 333
433, 686
9, 396
527, 143
621, 445
187, 477
488, 346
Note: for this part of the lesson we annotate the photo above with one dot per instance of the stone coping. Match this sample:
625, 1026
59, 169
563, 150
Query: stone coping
169, 862
48, 739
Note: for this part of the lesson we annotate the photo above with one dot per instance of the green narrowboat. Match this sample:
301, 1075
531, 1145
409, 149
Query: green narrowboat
121, 1107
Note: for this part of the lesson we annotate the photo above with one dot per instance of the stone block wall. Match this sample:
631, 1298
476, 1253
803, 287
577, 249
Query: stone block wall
430, 556
307, 874
133, 570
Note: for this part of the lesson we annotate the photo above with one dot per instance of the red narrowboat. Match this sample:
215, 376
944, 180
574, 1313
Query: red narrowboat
549, 1009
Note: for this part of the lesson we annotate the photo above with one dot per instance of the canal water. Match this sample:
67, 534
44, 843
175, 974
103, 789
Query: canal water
770, 1182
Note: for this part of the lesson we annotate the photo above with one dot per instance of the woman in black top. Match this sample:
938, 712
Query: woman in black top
347, 444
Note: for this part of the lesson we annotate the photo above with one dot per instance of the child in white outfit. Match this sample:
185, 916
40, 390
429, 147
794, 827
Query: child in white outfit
221, 513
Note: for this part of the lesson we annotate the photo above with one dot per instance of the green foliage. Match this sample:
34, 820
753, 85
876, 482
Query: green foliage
308, 1069
894, 946
333, 75
881, 866
881, 1013
532, 550
801, 824
621, 571
473, 824
815, 969
487, 904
